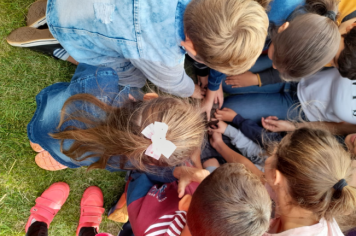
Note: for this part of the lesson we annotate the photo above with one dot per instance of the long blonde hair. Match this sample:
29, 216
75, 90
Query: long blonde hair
313, 162
113, 131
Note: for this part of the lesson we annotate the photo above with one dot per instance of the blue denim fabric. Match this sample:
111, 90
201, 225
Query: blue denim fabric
100, 32
100, 82
279, 100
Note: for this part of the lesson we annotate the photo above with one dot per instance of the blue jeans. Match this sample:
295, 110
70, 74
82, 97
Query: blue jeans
279, 100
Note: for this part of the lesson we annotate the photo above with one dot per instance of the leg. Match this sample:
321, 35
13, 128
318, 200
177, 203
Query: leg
262, 63
37, 229
256, 106
270, 88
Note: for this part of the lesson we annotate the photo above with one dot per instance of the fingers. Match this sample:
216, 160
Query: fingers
183, 183
272, 118
221, 101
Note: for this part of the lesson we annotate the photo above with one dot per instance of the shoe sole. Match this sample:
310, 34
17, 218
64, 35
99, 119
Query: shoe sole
36, 16
39, 23
45, 161
30, 37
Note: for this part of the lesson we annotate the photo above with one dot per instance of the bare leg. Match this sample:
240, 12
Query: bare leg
72, 60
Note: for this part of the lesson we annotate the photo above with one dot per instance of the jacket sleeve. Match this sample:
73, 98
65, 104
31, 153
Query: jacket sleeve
253, 131
171, 80
215, 79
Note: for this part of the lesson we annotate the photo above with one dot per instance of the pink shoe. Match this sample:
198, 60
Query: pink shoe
91, 208
36, 147
48, 204
47, 162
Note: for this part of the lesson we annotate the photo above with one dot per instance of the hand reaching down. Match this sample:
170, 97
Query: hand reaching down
225, 114
186, 175
243, 80
272, 123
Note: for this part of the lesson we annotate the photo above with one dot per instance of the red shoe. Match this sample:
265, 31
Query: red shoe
91, 208
48, 204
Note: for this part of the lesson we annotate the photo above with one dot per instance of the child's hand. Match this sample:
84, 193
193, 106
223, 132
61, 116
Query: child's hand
215, 139
219, 97
203, 81
243, 80
197, 92
225, 114
206, 107
272, 123
220, 127
186, 175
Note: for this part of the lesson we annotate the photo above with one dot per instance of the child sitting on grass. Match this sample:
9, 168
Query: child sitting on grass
90, 122
230, 201
310, 175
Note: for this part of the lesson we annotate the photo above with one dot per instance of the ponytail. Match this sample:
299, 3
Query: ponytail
318, 171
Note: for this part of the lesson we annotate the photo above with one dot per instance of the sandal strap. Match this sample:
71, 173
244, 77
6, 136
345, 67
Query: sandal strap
48, 203
93, 210
90, 219
45, 213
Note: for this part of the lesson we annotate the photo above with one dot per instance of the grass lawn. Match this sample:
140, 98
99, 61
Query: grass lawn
23, 74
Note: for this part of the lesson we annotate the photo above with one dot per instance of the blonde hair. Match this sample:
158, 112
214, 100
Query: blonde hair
228, 35
230, 201
309, 43
113, 131
313, 161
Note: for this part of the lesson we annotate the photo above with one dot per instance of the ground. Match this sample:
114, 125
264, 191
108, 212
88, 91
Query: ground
23, 74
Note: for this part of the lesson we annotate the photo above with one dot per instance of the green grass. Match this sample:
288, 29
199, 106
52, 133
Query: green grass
23, 74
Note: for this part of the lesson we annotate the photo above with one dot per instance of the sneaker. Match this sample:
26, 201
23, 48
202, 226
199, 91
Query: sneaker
48, 204
30, 37
36, 16
91, 209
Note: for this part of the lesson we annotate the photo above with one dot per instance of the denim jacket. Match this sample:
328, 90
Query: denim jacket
138, 38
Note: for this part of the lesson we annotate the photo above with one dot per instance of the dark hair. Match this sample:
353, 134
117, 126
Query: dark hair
309, 43
347, 59
230, 201
111, 131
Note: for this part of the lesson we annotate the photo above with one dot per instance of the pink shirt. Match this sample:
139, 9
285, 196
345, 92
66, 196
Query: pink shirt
323, 228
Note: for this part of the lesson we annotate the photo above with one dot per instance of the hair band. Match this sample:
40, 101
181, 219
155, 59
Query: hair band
331, 15
340, 185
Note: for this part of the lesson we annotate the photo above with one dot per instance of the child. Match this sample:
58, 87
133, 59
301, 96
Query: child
309, 173
343, 60
324, 99
89, 122
51, 201
150, 39
230, 201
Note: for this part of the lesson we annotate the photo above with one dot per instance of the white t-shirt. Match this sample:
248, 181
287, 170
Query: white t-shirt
323, 228
327, 96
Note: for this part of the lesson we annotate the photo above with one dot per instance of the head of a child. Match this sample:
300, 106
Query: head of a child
230, 201
226, 35
308, 42
345, 59
117, 131
310, 170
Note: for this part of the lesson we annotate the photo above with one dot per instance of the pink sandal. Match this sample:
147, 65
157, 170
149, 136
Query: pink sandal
92, 209
49, 203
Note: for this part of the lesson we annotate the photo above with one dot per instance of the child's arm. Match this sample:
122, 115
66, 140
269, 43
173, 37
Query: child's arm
269, 76
212, 97
231, 156
186, 175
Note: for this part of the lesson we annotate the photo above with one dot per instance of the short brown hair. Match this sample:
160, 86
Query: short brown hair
313, 161
113, 131
231, 201
347, 59
228, 35
309, 43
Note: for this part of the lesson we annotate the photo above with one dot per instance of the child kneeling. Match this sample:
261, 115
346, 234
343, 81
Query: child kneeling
230, 201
